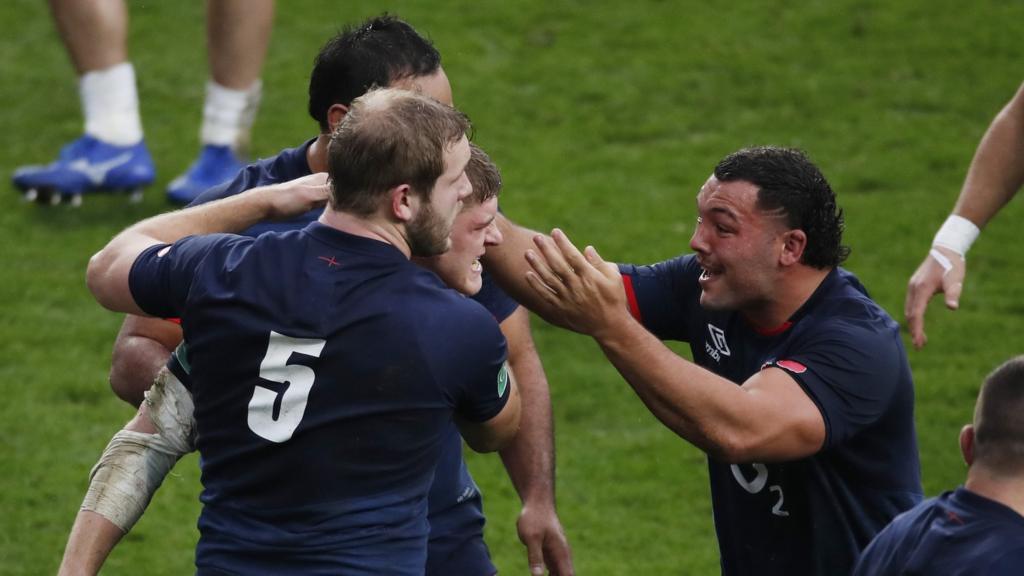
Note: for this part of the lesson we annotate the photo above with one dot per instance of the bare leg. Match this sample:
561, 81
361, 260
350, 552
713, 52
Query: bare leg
95, 32
237, 36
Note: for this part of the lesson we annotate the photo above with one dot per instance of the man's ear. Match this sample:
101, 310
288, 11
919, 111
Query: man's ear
967, 443
335, 114
404, 204
793, 244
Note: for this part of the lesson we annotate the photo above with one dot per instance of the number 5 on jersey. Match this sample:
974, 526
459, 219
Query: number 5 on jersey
298, 380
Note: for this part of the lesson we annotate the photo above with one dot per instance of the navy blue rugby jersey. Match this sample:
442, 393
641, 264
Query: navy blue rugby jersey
290, 164
454, 495
960, 533
325, 369
815, 515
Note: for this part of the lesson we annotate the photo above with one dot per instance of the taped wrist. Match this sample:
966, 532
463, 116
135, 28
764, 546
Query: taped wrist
134, 464
957, 233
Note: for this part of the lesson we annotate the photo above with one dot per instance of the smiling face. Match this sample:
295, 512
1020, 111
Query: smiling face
738, 247
474, 230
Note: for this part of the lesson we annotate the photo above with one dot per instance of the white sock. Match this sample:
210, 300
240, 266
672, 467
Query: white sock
228, 115
111, 104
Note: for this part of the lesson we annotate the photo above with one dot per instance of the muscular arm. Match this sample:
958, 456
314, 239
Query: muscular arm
997, 170
107, 274
530, 457
994, 177
768, 418
506, 262
141, 349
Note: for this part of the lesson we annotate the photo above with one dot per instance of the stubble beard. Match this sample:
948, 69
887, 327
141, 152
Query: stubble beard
428, 233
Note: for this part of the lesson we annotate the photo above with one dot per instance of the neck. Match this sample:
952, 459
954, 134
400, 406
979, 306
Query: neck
316, 154
1006, 489
792, 291
371, 227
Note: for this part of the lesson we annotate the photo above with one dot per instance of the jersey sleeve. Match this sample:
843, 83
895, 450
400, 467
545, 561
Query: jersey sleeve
851, 370
658, 294
494, 299
162, 275
480, 374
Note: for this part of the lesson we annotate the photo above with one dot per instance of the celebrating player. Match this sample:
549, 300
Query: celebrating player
387, 51
800, 392
115, 502
325, 367
977, 529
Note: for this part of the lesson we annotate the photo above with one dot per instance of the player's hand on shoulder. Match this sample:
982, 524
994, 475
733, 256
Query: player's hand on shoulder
942, 270
296, 197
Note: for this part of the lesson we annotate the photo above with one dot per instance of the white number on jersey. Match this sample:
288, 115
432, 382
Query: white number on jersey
298, 379
758, 483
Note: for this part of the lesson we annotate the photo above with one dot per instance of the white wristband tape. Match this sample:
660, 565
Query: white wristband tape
957, 234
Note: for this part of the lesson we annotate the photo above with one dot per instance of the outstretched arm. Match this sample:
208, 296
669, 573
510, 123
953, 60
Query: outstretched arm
530, 457
107, 275
768, 418
995, 175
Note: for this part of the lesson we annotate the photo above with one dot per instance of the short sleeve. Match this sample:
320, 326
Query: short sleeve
479, 354
851, 370
494, 299
162, 275
658, 295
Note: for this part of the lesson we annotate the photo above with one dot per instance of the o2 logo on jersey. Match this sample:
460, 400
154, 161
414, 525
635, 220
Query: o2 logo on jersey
299, 380
757, 484
721, 347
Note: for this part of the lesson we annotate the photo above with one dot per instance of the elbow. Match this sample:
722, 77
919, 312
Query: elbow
731, 448
96, 274
490, 443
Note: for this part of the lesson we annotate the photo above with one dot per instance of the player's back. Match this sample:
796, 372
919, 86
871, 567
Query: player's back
325, 369
959, 533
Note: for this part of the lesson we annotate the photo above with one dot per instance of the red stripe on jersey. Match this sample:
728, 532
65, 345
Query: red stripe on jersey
773, 331
792, 365
634, 307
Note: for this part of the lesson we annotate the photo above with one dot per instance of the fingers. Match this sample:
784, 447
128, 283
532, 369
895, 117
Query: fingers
914, 313
534, 555
553, 250
542, 273
557, 556
953, 295
926, 281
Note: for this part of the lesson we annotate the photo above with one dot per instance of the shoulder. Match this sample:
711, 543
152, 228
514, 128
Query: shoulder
678, 268
289, 164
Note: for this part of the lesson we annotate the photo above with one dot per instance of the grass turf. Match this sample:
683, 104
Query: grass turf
605, 118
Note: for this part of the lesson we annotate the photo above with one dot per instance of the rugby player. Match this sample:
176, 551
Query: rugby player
386, 51
799, 392
330, 471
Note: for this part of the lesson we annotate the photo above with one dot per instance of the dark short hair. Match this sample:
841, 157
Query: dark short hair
483, 175
999, 419
790, 184
378, 52
388, 138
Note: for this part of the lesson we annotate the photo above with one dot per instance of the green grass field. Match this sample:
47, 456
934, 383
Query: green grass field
605, 118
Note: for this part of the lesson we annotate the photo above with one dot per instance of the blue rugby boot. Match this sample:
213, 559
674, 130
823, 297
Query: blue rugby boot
215, 165
84, 166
